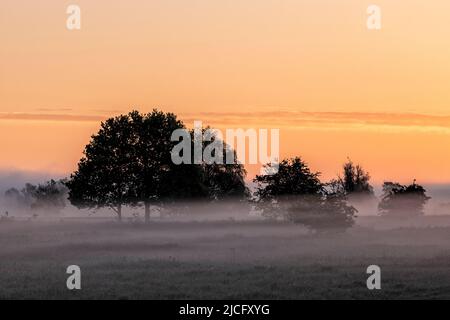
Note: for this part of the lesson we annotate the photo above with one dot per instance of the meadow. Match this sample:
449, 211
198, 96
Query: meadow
222, 259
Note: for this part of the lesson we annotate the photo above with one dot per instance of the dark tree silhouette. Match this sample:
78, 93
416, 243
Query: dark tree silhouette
403, 200
158, 178
129, 162
296, 194
293, 178
106, 175
355, 181
224, 180
162, 182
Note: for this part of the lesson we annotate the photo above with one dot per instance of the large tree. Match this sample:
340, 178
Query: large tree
130, 162
106, 175
208, 179
225, 178
157, 177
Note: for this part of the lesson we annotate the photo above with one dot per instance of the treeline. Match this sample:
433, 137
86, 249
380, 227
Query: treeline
297, 194
51, 195
128, 163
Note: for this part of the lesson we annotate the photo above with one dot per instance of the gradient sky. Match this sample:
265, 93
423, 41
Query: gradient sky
310, 68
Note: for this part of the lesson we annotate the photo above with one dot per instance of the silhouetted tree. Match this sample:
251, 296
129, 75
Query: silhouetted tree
158, 178
51, 195
129, 162
224, 180
355, 181
402, 200
208, 180
292, 178
160, 181
106, 175
296, 194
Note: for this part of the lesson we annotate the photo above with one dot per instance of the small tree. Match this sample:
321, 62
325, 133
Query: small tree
355, 181
292, 178
403, 200
51, 195
296, 194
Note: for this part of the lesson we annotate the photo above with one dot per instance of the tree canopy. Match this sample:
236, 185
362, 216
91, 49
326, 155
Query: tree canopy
353, 182
296, 194
403, 200
129, 162
103, 175
292, 178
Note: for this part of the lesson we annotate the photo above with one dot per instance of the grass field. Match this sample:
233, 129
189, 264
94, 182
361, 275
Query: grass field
227, 259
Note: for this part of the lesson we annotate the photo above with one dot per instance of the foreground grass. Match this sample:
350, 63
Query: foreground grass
232, 261
174, 280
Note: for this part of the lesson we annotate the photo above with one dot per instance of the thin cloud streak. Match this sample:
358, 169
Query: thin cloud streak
322, 119
51, 117
279, 119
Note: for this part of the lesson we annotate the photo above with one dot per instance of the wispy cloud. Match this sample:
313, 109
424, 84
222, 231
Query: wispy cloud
51, 117
276, 119
301, 119
54, 109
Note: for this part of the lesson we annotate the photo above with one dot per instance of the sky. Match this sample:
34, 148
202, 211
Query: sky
313, 69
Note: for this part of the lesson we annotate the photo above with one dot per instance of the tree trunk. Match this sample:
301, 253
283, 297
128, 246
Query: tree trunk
147, 212
119, 212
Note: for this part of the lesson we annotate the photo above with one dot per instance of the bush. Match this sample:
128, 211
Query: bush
403, 200
321, 213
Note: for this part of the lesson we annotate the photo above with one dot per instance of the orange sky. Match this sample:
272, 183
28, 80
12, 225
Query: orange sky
310, 68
